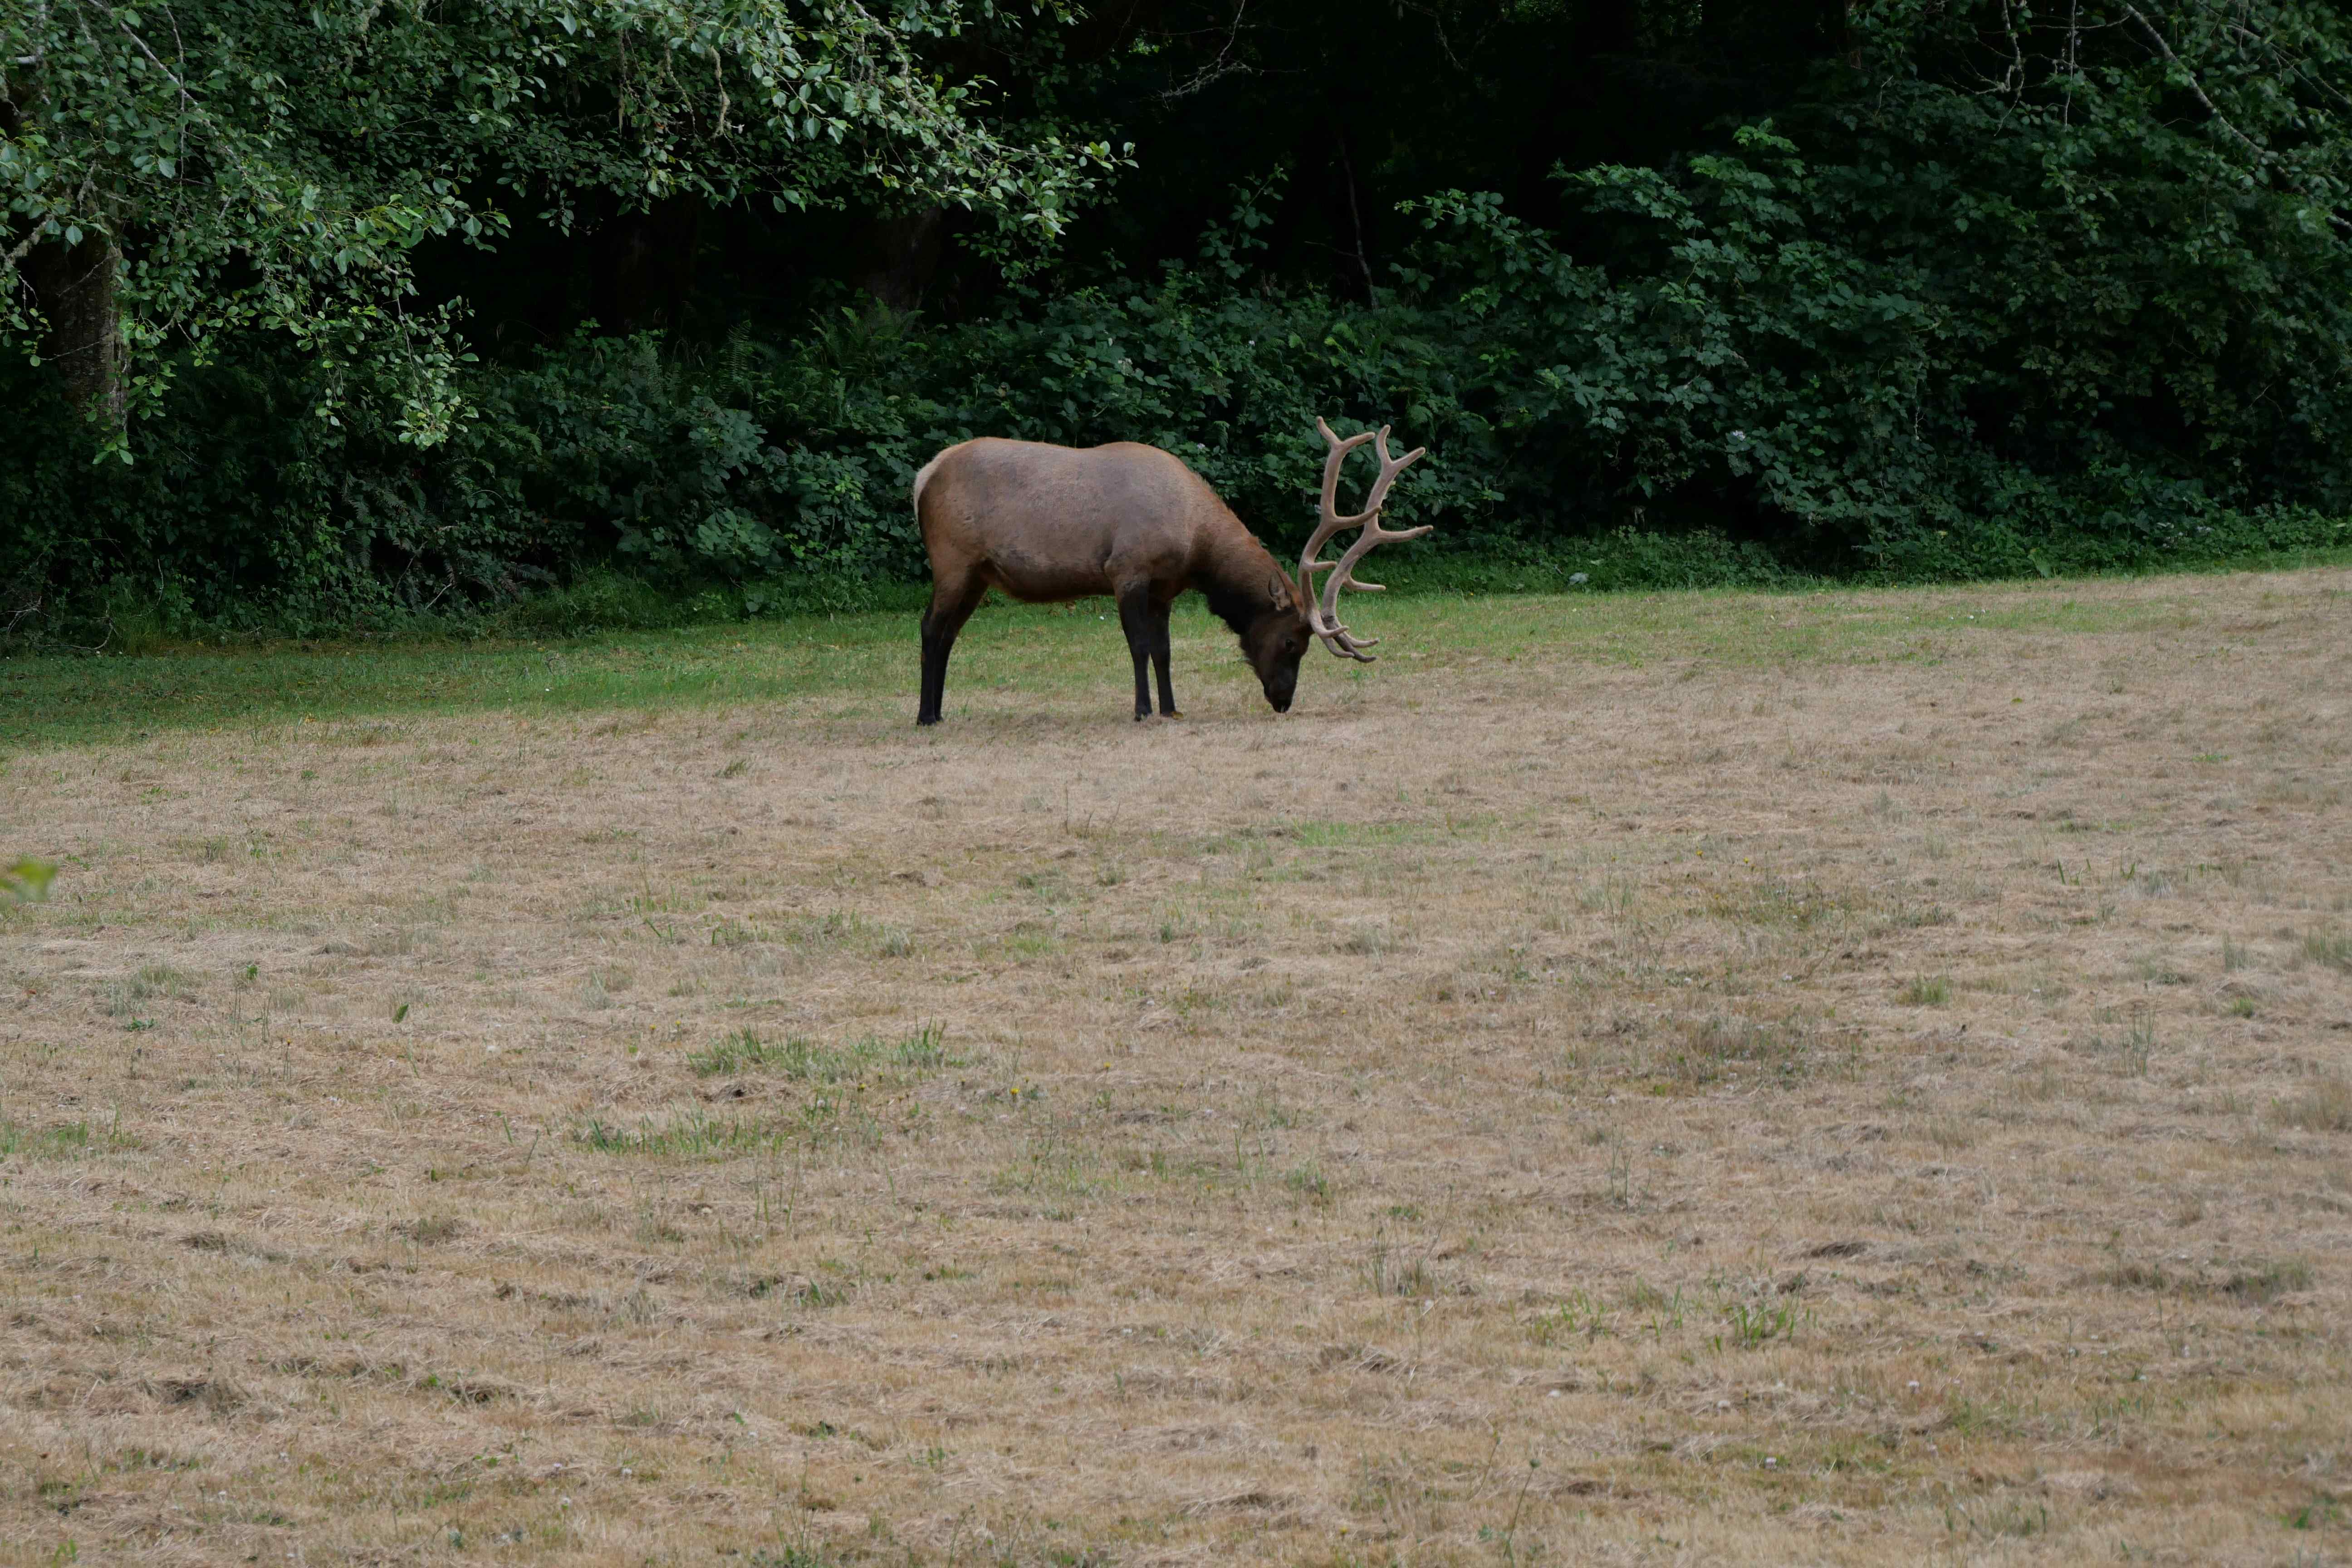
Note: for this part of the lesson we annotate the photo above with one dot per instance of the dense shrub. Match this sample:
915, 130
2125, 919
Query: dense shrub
1936, 335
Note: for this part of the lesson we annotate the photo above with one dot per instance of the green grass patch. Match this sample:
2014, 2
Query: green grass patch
65, 1140
2265, 1282
744, 1051
1925, 991
687, 1135
1067, 658
1330, 835
837, 929
1774, 901
2325, 1107
2333, 951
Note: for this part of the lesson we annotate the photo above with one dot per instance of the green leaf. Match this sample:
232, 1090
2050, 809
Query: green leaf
27, 881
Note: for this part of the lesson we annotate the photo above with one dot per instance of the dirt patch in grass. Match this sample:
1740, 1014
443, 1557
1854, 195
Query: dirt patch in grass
1706, 1079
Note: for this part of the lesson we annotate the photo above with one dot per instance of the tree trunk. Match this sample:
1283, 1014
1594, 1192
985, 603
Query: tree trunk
902, 253
644, 268
75, 288
1355, 261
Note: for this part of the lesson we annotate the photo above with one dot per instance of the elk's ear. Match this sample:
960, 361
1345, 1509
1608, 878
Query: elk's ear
1278, 589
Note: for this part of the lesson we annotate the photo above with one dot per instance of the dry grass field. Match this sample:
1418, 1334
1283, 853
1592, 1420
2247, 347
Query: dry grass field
1838, 1079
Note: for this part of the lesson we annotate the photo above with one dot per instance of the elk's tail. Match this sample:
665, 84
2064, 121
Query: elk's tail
922, 478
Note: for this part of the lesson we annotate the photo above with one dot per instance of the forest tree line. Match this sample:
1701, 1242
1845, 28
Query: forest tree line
322, 316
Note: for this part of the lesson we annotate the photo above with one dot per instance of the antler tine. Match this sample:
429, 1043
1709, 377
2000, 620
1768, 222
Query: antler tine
1332, 522
1345, 577
1375, 534
1390, 468
1323, 610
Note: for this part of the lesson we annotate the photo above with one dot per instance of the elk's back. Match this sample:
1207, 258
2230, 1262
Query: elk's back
1047, 522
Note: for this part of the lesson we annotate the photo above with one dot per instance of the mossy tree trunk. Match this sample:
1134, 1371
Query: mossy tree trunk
75, 287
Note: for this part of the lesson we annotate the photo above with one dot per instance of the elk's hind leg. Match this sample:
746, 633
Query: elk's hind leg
952, 603
1135, 617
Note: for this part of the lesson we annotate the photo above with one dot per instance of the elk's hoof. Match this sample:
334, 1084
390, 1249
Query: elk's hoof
1171, 713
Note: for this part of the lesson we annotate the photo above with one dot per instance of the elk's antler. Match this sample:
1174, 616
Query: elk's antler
1323, 612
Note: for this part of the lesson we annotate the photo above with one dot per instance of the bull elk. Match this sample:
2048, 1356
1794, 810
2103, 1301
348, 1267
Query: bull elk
1047, 524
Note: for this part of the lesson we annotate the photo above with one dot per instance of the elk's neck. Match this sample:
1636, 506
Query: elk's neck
1237, 580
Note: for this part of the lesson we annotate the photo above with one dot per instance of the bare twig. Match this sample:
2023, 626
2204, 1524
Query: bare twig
2263, 157
1356, 217
2073, 60
2012, 77
2233, 24
1437, 23
2189, 79
1216, 70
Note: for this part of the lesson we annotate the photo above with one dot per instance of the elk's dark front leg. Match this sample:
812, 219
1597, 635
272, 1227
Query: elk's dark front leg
1160, 660
952, 606
1135, 619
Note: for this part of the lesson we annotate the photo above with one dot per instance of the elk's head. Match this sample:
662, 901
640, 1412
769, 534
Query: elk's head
1273, 640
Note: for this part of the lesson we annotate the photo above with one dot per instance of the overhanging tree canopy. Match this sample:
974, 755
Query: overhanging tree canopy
180, 169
